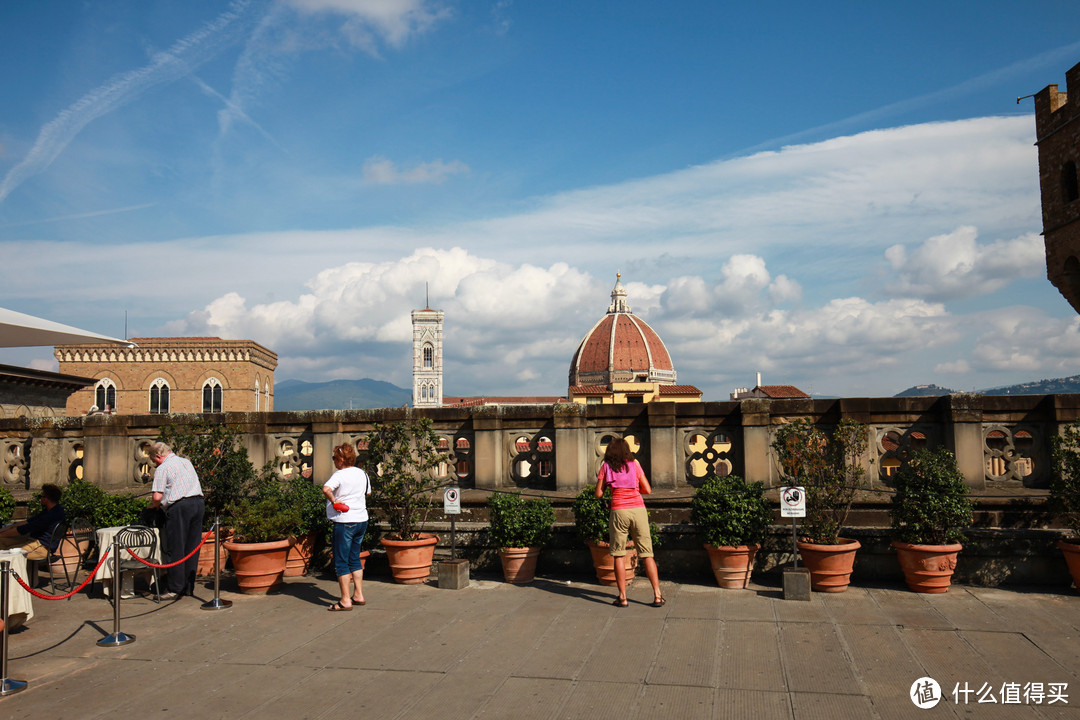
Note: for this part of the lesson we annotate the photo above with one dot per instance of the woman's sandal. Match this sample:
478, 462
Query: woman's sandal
338, 607
620, 603
659, 602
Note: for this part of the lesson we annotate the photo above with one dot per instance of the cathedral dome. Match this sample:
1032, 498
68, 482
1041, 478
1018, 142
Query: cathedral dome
621, 347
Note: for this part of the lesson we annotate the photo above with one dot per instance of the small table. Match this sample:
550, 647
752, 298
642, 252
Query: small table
19, 601
104, 541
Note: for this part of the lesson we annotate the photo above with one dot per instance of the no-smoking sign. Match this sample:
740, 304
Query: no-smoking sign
792, 502
452, 501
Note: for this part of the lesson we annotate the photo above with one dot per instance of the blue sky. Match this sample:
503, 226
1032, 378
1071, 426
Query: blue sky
842, 196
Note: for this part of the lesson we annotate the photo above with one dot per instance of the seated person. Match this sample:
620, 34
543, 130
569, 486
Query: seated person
35, 534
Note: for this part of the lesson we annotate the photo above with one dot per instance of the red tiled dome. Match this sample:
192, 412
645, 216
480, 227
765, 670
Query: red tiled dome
621, 347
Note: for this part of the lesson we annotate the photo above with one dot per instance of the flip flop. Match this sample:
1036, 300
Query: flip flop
338, 607
620, 603
659, 603
359, 602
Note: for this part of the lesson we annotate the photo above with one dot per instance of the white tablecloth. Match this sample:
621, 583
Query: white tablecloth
104, 539
19, 601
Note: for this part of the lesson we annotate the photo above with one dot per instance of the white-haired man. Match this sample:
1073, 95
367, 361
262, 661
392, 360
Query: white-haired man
178, 493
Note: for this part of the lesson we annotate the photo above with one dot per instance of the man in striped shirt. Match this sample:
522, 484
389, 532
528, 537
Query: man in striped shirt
178, 493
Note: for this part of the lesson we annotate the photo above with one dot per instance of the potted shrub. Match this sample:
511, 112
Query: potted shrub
519, 527
265, 522
399, 461
929, 512
314, 529
1064, 497
732, 517
221, 461
592, 516
829, 468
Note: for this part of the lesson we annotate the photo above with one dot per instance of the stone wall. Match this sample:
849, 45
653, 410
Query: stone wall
1002, 444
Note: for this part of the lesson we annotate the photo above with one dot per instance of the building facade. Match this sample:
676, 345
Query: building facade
1057, 123
171, 375
427, 325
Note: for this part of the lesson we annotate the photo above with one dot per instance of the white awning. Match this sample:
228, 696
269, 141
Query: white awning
21, 330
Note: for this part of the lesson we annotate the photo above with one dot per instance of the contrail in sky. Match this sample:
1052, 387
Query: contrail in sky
179, 60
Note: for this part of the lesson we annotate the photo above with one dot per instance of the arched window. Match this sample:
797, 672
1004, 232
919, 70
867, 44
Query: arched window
1069, 189
256, 394
159, 396
266, 397
105, 395
429, 356
211, 396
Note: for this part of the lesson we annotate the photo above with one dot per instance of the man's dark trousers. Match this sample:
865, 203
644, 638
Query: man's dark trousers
183, 531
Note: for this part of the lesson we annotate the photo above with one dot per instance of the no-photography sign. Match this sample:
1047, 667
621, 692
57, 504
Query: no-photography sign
792, 502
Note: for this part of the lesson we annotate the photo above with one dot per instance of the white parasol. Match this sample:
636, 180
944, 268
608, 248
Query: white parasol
21, 330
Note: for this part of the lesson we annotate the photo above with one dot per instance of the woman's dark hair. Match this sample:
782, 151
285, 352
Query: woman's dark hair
618, 454
345, 454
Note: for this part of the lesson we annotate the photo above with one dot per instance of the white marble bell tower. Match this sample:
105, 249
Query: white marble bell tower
427, 326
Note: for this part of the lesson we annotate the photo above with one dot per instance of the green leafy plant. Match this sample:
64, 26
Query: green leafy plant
731, 512
309, 499
829, 467
7, 505
931, 505
520, 522
592, 517
83, 499
399, 460
1065, 484
220, 459
258, 520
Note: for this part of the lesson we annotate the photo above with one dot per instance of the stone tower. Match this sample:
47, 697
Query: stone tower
427, 326
1057, 127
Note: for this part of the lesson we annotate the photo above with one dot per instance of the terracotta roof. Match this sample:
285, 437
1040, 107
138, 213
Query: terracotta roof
782, 391
461, 401
589, 390
679, 390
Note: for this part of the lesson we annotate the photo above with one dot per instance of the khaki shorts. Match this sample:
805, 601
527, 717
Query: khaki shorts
34, 549
635, 523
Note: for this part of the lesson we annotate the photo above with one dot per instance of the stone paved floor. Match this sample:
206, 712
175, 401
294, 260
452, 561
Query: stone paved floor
554, 649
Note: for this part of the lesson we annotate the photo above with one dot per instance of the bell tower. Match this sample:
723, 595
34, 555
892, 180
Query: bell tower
427, 329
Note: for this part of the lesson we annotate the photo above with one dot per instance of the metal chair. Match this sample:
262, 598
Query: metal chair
142, 541
65, 558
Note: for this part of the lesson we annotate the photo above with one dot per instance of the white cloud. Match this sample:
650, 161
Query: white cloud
959, 367
381, 171
367, 21
1024, 341
955, 265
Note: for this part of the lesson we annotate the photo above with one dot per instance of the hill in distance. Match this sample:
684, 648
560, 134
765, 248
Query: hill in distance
339, 395
1063, 385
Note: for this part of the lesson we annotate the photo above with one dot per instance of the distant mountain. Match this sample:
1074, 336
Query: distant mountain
1037, 387
924, 391
339, 395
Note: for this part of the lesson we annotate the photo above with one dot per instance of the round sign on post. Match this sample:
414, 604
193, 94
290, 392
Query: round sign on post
452, 501
792, 502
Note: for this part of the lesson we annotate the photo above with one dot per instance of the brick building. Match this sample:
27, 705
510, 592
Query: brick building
1057, 127
177, 375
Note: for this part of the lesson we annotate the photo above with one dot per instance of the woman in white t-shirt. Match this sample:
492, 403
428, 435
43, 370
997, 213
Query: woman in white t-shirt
346, 505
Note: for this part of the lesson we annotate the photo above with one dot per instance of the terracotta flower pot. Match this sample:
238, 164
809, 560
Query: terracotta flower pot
829, 565
206, 555
298, 561
927, 568
410, 560
604, 563
519, 564
732, 565
67, 555
1072, 559
259, 567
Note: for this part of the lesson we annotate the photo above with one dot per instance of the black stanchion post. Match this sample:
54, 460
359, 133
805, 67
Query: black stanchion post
217, 603
117, 638
7, 685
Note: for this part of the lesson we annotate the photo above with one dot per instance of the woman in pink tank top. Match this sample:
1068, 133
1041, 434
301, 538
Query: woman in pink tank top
623, 474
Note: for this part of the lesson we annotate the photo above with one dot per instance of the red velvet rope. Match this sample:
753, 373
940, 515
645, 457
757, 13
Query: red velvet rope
172, 564
35, 593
